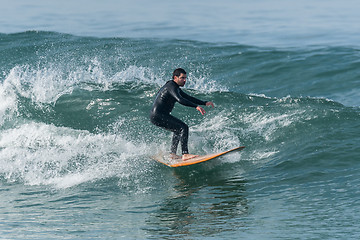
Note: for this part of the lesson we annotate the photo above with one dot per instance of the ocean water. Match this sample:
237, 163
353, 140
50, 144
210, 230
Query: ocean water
77, 81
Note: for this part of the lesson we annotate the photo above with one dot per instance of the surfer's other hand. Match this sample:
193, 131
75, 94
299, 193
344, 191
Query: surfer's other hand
210, 104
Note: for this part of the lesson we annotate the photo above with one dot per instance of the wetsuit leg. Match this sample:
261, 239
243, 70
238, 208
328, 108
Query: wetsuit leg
182, 134
175, 125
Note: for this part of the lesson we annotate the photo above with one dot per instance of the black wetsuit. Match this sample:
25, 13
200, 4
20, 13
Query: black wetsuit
160, 116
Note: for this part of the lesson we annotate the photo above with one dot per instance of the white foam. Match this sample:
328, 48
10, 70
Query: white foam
8, 102
204, 84
214, 130
38, 153
266, 124
41, 85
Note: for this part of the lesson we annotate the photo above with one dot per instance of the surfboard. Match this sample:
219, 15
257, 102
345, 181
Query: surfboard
180, 163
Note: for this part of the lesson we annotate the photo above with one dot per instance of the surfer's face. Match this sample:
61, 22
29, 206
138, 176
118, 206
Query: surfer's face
180, 80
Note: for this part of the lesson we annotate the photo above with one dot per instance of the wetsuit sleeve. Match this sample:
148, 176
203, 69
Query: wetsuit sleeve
175, 92
191, 99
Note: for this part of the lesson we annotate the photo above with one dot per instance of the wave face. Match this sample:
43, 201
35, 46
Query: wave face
74, 115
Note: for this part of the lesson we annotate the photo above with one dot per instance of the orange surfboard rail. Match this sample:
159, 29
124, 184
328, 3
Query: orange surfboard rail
199, 159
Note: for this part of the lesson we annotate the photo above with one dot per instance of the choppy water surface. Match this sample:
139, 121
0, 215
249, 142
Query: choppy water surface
75, 138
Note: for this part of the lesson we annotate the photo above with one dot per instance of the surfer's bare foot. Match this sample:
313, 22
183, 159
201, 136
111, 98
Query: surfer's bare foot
188, 156
173, 156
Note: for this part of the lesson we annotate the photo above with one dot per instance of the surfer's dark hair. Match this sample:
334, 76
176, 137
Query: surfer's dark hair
177, 72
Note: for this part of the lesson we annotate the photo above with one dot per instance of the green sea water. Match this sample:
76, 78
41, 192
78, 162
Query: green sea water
76, 140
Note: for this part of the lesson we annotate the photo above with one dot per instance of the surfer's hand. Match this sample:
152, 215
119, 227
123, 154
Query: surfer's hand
210, 104
201, 110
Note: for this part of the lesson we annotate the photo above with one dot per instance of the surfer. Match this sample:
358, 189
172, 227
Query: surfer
164, 103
